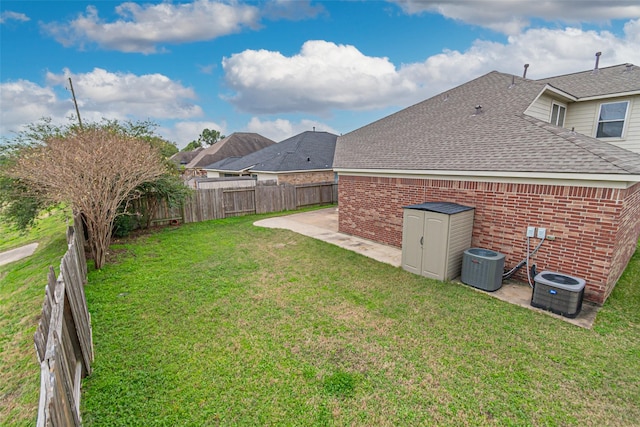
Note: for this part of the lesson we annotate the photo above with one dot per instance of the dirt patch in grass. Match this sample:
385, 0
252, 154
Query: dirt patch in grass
115, 255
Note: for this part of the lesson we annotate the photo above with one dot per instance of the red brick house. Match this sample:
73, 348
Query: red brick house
561, 153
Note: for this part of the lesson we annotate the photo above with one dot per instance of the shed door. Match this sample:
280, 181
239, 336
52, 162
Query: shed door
412, 232
434, 253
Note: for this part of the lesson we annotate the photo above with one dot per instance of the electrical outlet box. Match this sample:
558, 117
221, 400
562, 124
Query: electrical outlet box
542, 233
531, 231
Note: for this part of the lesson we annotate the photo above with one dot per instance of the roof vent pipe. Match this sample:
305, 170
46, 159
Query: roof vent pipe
478, 109
524, 75
597, 60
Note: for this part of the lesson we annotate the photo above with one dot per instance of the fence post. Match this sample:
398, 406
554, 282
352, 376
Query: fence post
63, 338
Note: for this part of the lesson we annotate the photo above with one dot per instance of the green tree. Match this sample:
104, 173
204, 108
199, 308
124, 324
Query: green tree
144, 130
168, 188
209, 137
193, 145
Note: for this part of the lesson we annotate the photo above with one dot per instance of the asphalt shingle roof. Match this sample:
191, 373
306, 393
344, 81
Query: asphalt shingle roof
446, 133
235, 145
184, 157
306, 151
603, 81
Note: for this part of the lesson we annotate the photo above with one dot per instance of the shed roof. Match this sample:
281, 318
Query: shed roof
448, 208
447, 132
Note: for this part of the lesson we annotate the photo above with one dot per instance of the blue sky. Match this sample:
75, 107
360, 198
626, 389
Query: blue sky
282, 67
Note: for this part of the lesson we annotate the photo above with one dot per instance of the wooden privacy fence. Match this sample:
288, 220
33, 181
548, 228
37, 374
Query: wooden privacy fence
63, 340
217, 203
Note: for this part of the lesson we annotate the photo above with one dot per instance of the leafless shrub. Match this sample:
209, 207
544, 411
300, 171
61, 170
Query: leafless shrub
94, 171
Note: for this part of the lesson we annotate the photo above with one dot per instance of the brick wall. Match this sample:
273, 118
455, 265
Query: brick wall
305, 177
596, 229
627, 235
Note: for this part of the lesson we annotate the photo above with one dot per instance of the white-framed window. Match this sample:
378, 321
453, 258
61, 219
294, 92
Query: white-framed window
611, 119
558, 111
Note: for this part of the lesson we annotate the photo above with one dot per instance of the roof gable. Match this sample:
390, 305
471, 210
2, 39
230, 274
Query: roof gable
601, 82
235, 145
184, 157
446, 133
306, 151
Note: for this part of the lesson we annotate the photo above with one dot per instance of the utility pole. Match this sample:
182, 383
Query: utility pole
75, 102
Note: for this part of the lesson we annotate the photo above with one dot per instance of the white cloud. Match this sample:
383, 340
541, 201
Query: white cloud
30, 102
207, 69
100, 94
321, 77
142, 28
8, 15
281, 129
512, 16
129, 95
549, 52
325, 76
183, 133
632, 31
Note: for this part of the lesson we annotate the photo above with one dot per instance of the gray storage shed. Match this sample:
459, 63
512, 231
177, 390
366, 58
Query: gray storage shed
434, 238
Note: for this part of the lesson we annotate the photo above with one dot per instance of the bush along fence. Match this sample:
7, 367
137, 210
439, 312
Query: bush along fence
63, 340
218, 203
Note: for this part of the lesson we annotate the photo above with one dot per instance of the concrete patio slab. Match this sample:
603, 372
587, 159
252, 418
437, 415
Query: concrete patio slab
322, 224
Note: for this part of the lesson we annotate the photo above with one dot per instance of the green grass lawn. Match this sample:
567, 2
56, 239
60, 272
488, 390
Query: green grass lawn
21, 296
224, 323
47, 227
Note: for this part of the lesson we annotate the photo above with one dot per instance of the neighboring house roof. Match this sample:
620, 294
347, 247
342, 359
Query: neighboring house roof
447, 133
306, 151
598, 82
235, 145
184, 157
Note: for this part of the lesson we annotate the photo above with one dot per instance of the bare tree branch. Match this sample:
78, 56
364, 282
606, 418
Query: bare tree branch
94, 171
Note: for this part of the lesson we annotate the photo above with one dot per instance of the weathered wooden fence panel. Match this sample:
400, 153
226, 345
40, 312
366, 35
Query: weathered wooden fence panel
203, 205
289, 198
163, 214
63, 340
239, 201
268, 198
217, 203
313, 194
